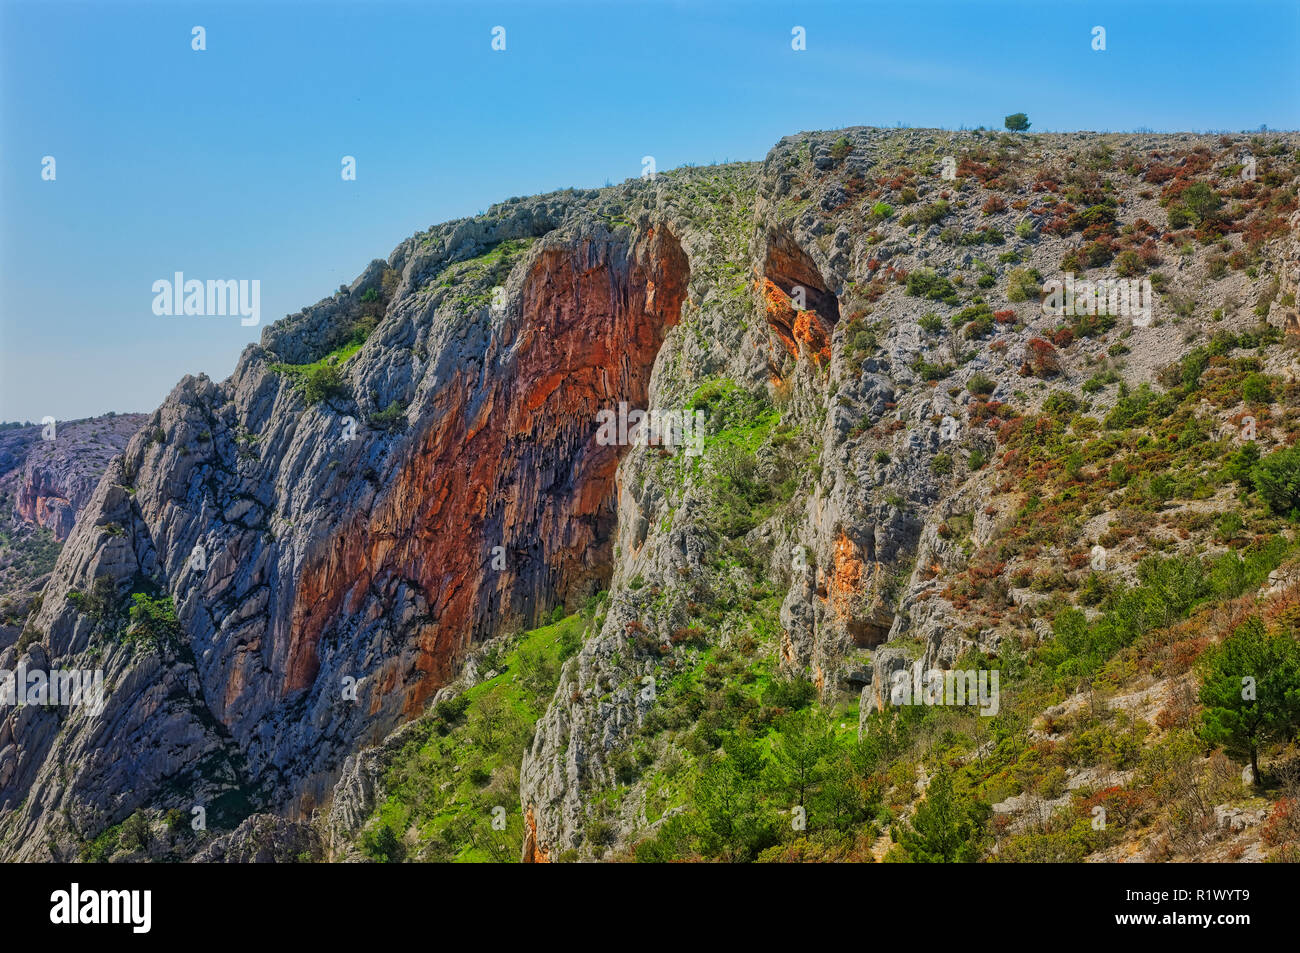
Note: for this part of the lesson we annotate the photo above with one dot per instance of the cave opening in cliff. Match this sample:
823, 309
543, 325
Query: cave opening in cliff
867, 634
801, 310
789, 268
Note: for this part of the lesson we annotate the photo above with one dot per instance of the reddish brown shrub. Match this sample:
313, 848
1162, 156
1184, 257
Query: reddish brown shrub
1041, 359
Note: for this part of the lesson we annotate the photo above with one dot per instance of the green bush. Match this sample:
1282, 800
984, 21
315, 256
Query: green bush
932, 214
1256, 389
382, 844
321, 381
928, 283
978, 321
135, 833
153, 621
1141, 407
1199, 201
791, 694
1061, 403
932, 372
391, 418
1023, 284
1277, 478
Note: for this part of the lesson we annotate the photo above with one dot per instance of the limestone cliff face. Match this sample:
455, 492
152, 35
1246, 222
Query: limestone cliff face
862, 553
336, 539
318, 551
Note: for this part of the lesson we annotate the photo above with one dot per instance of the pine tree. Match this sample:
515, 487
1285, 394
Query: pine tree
947, 827
1250, 687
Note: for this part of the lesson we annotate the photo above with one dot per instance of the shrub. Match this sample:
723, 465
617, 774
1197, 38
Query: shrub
1138, 408
927, 283
1023, 284
101, 601
947, 827
931, 323
994, 205
1017, 122
932, 214
320, 381
980, 323
1277, 477
1256, 389
1201, 201
392, 417
1128, 264
1061, 403
841, 147
792, 694
1272, 660
981, 383
1041, 359
451, 710
390, 280
153, 622
382, 844
932, 372
135, 833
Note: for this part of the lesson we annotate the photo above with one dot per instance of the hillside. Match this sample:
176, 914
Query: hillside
433, 615
44, 483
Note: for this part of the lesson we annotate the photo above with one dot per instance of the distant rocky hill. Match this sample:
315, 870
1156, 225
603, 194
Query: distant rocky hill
44, 483
386, 592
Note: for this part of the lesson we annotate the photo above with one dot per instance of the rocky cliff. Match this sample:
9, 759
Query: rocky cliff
47, 475
53, 478
411, 468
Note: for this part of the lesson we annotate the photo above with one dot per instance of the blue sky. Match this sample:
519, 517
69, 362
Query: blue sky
225, 163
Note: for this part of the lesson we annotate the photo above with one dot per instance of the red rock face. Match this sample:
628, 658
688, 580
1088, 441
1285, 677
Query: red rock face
55, 513
517, 467
534, 853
